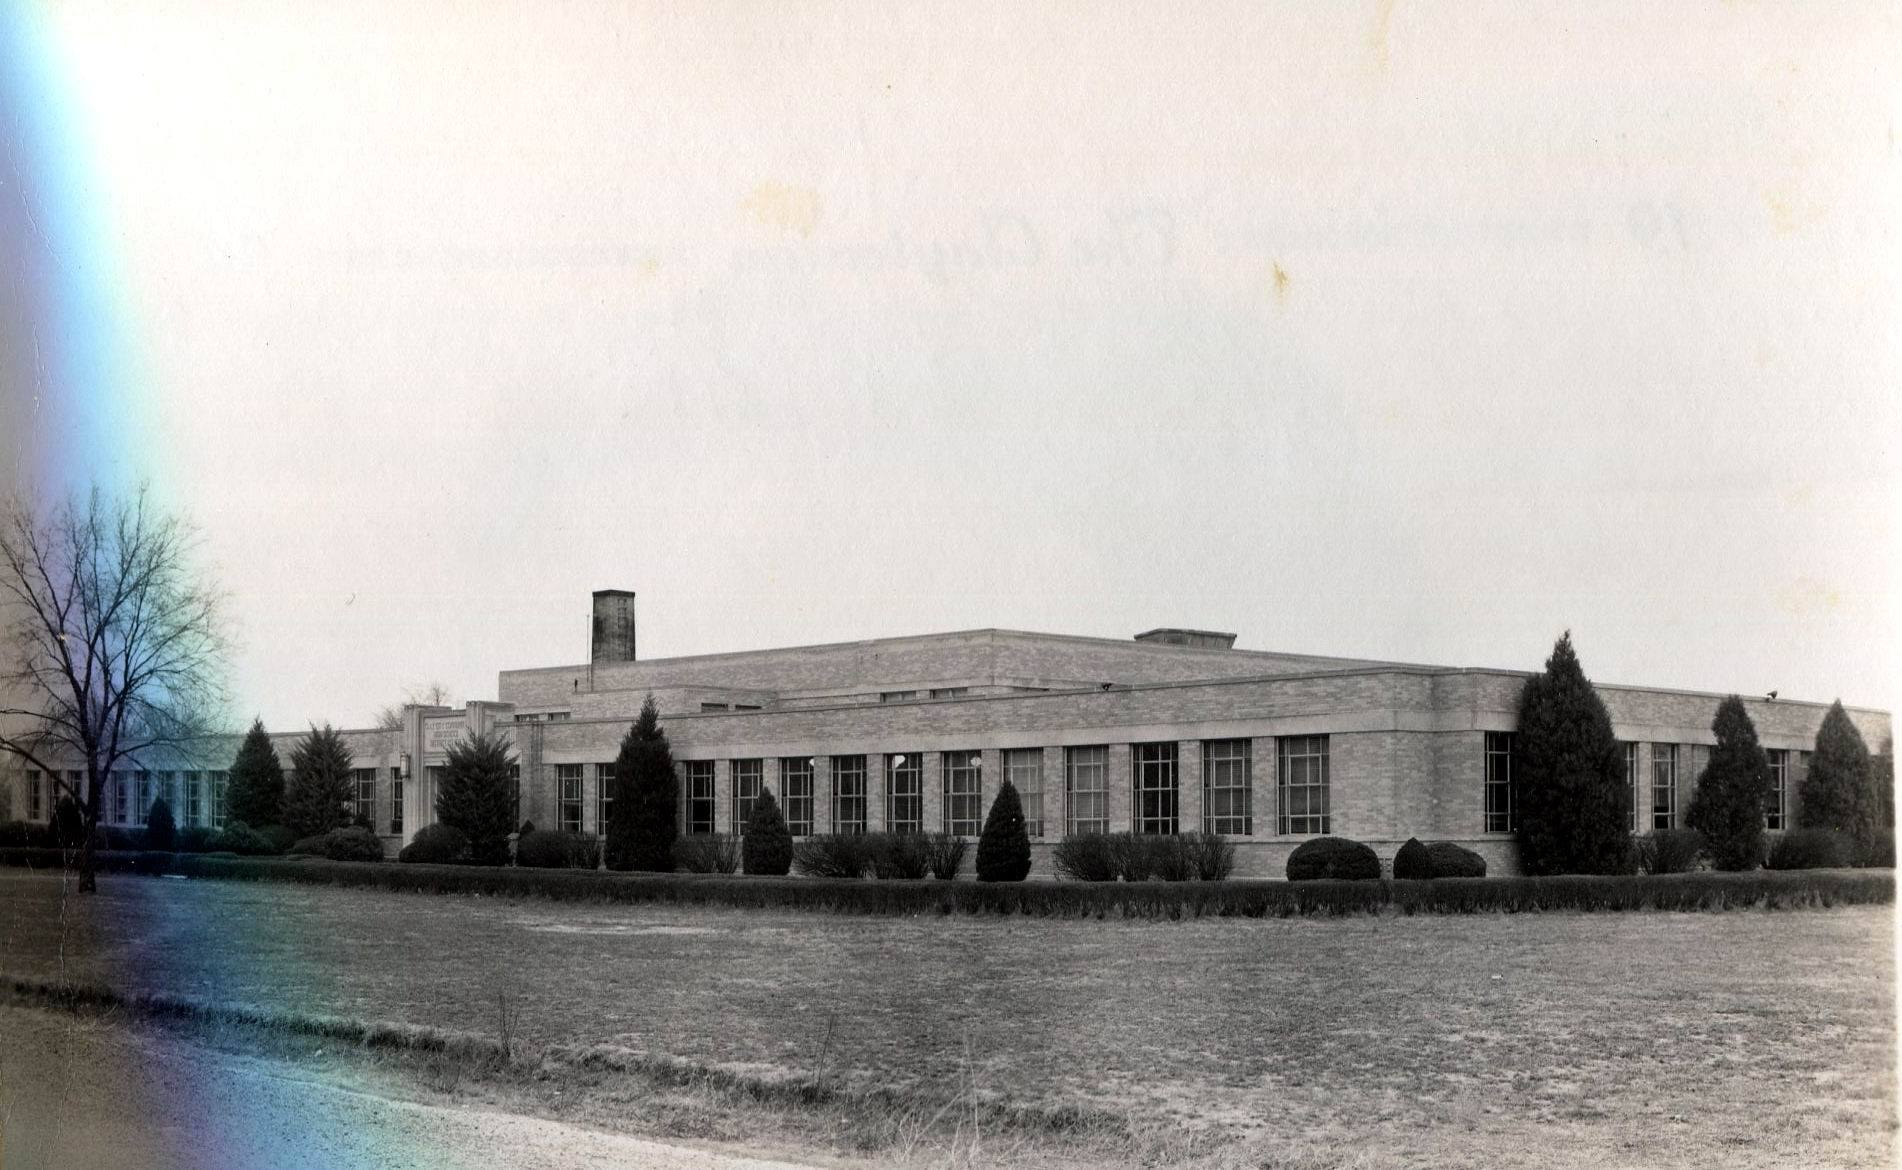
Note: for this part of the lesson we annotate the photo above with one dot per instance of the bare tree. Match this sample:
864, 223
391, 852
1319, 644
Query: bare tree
114, 650
435, 694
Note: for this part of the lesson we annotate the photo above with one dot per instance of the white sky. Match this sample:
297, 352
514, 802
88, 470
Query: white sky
1420, 332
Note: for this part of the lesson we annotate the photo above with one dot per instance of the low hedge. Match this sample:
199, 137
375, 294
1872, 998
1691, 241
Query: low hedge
1136, 857
554, 849
1812, 849
1764, 889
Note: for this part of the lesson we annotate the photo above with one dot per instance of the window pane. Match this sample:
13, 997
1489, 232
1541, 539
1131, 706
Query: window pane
904, 792
963, 794
1023, 767
1302, 781
795, 787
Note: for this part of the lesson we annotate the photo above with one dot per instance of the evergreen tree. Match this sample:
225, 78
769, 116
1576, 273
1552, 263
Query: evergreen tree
69, 823
1003, 849
1727, 806
254, 792
766, 847
161, 831
646, 798
1883, 765
318, 797
477, 796
1569, 774
1840, 790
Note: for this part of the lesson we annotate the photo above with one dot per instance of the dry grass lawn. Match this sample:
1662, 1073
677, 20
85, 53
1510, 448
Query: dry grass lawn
1746, 1038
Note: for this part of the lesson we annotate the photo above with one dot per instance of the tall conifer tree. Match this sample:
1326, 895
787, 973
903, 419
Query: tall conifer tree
1728, 804
254, 793
766, 847
1569, 774
1003, 849
646, 798
318, 797
477, 795
1839, 792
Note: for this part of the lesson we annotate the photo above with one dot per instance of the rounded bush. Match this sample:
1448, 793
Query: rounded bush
707, 853
1003, 848
551, 849
355, 843
900, 856
437, 845
1812, 849
833, 855
1880, 852
279, 838
767, 846
311, 846
1335, 858
240, 838
1670, 850
1412, 863
196, 839
1085, 857
1447, 860
1213, 855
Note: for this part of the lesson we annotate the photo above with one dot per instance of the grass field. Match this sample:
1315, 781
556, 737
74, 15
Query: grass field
1745, 1038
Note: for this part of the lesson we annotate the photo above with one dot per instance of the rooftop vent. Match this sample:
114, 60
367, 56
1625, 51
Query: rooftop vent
1201, 639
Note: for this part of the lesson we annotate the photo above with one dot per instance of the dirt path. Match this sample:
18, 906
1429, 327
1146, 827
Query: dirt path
80, 1093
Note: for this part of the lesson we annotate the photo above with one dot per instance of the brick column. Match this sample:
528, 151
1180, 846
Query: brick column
874, 792
932, 806
1053, 806
1261, 768
769, 781
590, 790
821, 794
1119, 781
990, 781
680, 802
723, 796
1189, 786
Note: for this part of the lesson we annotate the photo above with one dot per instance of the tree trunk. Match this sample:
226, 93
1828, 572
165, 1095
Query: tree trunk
88, 872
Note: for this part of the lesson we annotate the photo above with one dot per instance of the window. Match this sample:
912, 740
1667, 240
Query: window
603, 797
748, 780
746, 706
1228, 801
848, 794
33, 806
363, 804
963, 793
1499, 811
76, 782
1778, 762
121, 798
1023, 767
558, 716
1156, 794
896, 696
795, 791
1302, 781
167, 791
949, 692
396, 801
1700, 760
143, 809
905, 792
220, 781
700, 796
527, 718
1631, 785
1086, 789
715, 707
194, 798
1663, 785
568, 797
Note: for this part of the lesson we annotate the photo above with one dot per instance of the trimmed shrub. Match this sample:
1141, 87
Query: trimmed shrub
278, 838
1003, 848
69, 823
708, 853
1085, 857
1333, 858
196, 839
1213, 855
767, 846
833, 855
899, 856
240, 838
944, 855
1132, 856
1412, 863
1880, 853
544, 849
1670, 850
161, 831
1171, 857
1447, 860
437, 845
1812, 849
584, 851
311, 846
353, 843
27, 835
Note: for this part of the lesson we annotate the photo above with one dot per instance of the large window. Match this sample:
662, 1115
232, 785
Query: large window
33, 805
700, 796
905, 792
121, 798
1302, 781
1155, 792
749, 778
363, 806
1700, 760
1023, 767
963, 793
194, 798
603, 797
795, 792
1086, 790
142, 811
1631, 785
568, 797
220, 783
1774, 808
1664, 786
396, 801
1499, 810
848, 794
1228, 802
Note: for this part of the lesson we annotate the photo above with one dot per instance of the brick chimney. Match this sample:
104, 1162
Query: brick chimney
613, 627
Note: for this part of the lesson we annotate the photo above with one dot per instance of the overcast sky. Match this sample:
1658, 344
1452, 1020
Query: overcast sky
1412, 332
